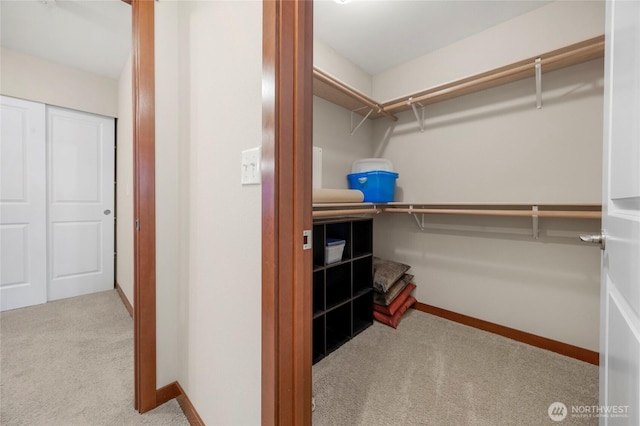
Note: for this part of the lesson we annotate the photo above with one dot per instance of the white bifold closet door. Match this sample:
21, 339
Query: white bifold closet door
23, 197
80, 151
56, 203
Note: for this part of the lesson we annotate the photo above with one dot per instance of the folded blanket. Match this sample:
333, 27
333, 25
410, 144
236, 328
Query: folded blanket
386, 298
393, 307
394, 320
321, 195
386, 273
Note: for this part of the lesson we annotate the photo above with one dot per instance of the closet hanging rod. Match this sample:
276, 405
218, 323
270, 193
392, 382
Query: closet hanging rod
565, 214
570, 55
338, 85
496, 204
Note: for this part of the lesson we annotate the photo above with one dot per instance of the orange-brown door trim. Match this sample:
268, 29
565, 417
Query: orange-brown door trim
144, 287
286, 212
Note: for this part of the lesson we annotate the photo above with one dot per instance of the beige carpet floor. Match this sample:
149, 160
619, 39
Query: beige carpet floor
431, 371
70, 362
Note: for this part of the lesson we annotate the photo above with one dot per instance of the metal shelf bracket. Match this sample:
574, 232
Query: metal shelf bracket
419, 222
353, 130
534, 219
538, 83
415, 112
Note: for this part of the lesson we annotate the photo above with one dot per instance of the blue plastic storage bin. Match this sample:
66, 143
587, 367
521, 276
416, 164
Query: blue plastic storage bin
378, 186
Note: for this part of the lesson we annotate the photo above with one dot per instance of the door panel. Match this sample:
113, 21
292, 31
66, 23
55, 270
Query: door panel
623, 368
84, 255
623, 255
15, 147
81, 222
620, 312
15, 254
80, 184
625, 92
23, 280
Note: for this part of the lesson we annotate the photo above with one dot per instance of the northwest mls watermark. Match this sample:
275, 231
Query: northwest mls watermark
558, 411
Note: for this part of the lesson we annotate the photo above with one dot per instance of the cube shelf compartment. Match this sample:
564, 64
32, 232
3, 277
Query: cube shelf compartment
337, 285
342, 291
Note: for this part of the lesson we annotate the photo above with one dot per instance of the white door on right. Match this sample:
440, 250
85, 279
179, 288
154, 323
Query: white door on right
81, 187
620, 302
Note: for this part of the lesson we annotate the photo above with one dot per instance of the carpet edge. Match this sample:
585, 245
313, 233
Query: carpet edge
558, 347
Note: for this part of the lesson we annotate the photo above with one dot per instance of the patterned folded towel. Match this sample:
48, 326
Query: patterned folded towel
386, 273
396, 288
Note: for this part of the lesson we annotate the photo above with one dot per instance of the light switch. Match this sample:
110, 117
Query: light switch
251, 172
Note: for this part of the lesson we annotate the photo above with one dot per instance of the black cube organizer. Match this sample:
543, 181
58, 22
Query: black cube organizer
343, 290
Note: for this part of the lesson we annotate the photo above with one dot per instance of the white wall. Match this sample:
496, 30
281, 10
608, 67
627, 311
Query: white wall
218, 114
329, 60
492, 269
169, 215
339, 147
495, 146
28, 77
547, 28
332, 132
124, 179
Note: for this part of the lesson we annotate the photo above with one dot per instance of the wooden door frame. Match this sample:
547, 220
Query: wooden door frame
286, 211
144, 234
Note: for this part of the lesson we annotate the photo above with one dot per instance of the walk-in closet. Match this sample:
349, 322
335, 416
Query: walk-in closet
496, 137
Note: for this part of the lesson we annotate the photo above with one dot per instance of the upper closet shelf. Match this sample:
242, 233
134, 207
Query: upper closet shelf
550, 61
333, 90
337, 92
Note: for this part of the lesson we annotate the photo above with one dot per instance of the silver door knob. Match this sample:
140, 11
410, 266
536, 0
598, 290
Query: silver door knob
107, 212
594, 239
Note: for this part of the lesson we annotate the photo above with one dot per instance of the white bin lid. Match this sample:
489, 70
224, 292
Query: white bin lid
368, 164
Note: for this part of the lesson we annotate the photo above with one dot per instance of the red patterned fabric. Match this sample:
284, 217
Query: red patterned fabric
394, 320
396, 303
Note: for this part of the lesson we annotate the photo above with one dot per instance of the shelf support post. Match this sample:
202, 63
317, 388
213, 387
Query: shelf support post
353, 130
538, 83
415, 112
420, 223
534, 219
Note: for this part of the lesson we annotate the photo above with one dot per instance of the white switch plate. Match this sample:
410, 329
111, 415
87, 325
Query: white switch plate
251, 171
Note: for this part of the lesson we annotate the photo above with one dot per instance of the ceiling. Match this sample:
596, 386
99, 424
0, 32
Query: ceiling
377, 35
95, 35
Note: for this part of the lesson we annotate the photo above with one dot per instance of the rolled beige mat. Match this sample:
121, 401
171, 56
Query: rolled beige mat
322, 195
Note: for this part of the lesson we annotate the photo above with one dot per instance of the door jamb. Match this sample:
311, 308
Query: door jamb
144, 287
286, 211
